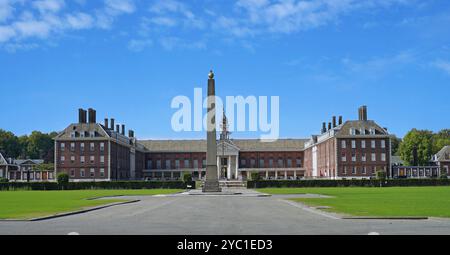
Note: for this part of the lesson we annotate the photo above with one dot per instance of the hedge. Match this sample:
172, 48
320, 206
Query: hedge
97, 185
346, 183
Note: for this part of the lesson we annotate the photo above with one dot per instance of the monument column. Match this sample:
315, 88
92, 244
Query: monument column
211, 180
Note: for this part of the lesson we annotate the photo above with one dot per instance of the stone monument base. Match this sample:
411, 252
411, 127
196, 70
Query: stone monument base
211, 186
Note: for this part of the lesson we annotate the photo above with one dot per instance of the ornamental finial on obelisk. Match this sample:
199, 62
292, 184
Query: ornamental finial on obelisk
211, 75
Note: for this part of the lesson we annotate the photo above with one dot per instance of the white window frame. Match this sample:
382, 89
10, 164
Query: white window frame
383, 144
353, 144
363, 144
374, 157
373, 144
82, 159
383, 156
343, 144
82, 172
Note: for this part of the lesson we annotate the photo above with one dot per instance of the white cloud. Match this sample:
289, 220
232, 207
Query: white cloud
13, 47
164, 21
49, 5
171, 43
6, 33
79, 20
6, 10
172, 12
139, 45
442, 65
120, 6
164, 6
32, 28
290, 16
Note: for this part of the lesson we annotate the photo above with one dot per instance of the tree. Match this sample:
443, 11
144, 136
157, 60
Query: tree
63, 180
39, 145
23, 144
381, 175
418, 142
441, 139
255, 176
395, 144
9, 144
187, 177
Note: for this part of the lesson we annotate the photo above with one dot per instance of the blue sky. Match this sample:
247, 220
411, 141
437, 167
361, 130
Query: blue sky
128, 59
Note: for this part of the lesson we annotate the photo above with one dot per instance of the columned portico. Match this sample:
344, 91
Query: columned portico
227, 160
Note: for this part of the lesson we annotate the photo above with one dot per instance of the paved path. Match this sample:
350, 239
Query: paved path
184, 214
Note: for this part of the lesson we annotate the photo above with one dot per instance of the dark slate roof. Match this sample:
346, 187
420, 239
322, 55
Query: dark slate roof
361, 125
28, 161
243, 144
443, 154
83, 127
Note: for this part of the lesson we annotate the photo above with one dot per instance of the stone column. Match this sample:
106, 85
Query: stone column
229, 168
211, 180
236, 163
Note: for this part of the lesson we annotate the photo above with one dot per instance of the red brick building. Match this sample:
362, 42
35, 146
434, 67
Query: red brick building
350, 149
89, 151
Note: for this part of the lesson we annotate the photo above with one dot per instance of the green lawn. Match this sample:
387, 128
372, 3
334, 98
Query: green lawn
394, 201
31, 204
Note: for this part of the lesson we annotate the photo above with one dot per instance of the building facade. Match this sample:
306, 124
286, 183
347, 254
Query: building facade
24, 170
352, 149
90, 151
439, 165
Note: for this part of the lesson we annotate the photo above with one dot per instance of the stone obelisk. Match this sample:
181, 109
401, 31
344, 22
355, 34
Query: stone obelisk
211, 181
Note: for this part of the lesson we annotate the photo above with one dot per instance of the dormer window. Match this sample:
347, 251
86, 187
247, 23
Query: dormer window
73, 134
372, 131
352, 131
82, 134
92, 134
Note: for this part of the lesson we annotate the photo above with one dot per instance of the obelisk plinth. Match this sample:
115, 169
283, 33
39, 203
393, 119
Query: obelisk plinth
211, 180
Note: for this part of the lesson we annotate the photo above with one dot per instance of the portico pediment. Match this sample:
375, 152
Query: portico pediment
227, 148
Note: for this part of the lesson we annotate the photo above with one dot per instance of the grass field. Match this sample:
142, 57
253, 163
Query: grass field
31, 204
394, 201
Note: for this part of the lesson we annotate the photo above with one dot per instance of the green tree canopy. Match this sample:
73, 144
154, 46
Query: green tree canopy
422, 140
441, 139
9, 144
36, 146
395, 144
